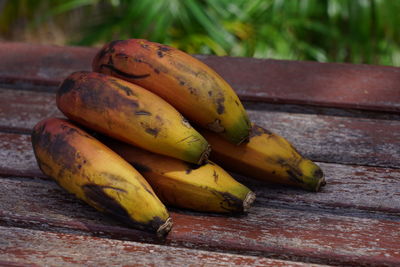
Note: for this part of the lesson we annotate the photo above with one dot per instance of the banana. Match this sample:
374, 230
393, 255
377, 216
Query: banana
266, 157
192, 87
130, 113
94, 173
206, 188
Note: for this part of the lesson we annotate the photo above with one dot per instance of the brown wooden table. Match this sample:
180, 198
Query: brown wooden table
345, 117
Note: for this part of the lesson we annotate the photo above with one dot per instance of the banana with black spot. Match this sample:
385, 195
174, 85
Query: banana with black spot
206, 188
267, 157
192, 87
94, 173
130, 113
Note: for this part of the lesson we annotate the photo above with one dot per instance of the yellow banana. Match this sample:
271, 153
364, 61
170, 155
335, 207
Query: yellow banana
130, 113
192, 87
267, 157
205, 188
94, 173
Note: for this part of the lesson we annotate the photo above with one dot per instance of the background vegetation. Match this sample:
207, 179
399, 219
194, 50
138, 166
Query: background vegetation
356, 31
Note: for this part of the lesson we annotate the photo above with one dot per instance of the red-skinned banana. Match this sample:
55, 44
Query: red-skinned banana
92, 172
130, 113
206, 188
192, 87
267, 157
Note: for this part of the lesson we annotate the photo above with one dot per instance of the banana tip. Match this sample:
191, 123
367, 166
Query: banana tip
204, 156
320, 183
248, 201
164, 229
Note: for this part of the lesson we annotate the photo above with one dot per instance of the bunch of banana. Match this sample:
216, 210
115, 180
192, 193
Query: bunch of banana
267, 157
157, 141
193, 88
87, 168
177, 183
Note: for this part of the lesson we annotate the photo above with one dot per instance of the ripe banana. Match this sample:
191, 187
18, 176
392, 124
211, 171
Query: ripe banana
94, 173
267, 157
205, 188
130, 113
192, 87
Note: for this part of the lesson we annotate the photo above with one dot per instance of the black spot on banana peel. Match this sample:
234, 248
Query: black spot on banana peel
216, 126
268, 157
126, 89
104, 202
164, 48
56, 145
215, 175
124, 74
231, 202
132, 114
191, 167
140, 167
206, 187
259, 131
220, 105
192, 87
152, 131
66, 85
160, 54
142, 112
109, 48
92, 172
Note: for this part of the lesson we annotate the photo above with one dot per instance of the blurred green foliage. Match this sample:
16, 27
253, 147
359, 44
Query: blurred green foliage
356, 31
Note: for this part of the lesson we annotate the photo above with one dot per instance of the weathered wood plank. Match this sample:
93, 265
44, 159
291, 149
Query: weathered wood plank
21, 110
280, 81
320, 137
349, 188
23, 246
318, 236
299, 82
338, 139
41, 64
15, 264
17, 157
361, 187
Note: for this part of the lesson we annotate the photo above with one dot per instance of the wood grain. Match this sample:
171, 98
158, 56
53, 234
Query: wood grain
299, 82
17, 157
354, 220
40, 64
348, 190
278, 81
337, 139
321, 137
360, 187
21, 110
24, 246
318, 236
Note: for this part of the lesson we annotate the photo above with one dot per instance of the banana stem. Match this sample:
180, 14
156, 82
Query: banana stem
164, 229
248, 201
205, 155
320, 183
